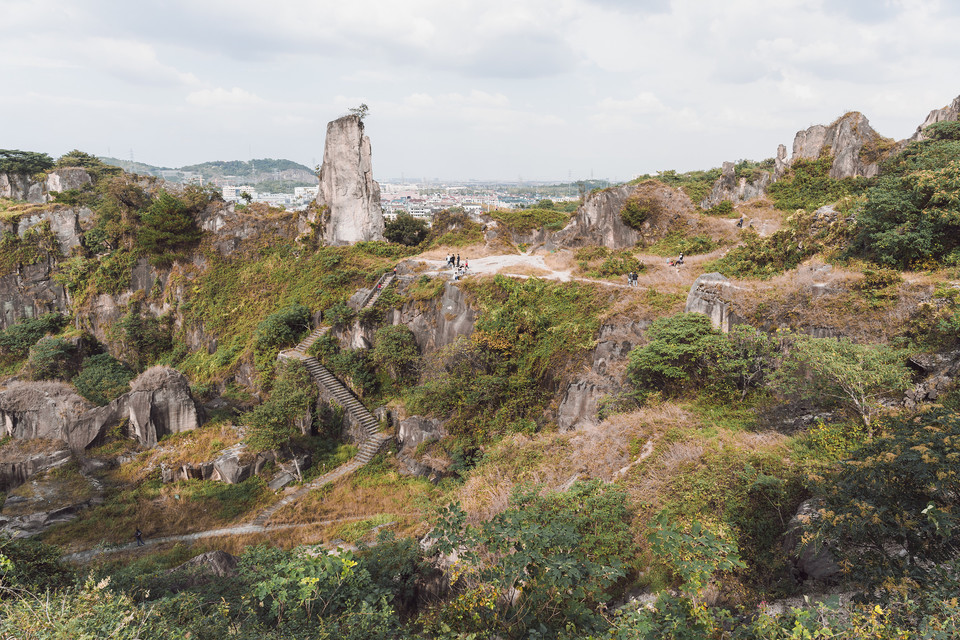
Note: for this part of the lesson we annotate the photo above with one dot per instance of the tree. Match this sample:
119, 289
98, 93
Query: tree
405, 229
167, 229
853, 375
361, 111
395, 349
286, 413
28, 162
679, 353
897, 492
748, 357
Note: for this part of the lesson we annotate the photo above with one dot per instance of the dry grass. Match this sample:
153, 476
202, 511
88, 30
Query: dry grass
525, 270
813, 297
469, 252
409, 501
16, 450
559, 260
554, 459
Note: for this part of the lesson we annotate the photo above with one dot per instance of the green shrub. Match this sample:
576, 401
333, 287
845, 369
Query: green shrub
897, 491
525, 220
406, 230
760, 257
395, 350
52, 359
676, 243
28, 162
102, 379
725, 208
809, 186
696, 184
637, 209
615, 264
144, 337
282, 328
16, 341
38, 243
274, 423
454, 228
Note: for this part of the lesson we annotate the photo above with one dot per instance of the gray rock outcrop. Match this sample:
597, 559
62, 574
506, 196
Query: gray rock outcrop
51, 410
598, 221
349, 197
417, 430
949, 113
30, 291
159, 402
436, 324
708, 295
21, 186
219, 564
812, 560
850, 141
728, 187
17, 469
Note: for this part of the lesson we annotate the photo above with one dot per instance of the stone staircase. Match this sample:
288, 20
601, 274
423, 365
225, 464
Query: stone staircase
374, 441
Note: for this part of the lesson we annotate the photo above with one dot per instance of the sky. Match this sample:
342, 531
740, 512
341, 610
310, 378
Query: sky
465, 89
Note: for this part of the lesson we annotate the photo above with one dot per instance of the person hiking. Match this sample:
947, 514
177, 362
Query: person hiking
458, 260
139, 536
740, 223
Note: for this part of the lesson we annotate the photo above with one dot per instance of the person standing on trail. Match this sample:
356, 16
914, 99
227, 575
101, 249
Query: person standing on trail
139, 536
458, 260
740, 222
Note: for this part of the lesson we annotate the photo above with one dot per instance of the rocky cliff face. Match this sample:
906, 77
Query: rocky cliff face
949, 113
728, 187
348, 197
708, 295
850, 140
159, 403
598, 220
21, 186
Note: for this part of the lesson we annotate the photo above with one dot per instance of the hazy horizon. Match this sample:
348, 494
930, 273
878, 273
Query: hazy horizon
539, 89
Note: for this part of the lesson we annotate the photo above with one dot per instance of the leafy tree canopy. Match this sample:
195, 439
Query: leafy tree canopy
30, 162
405, 229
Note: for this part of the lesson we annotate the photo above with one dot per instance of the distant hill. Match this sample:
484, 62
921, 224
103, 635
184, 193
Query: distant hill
269, 173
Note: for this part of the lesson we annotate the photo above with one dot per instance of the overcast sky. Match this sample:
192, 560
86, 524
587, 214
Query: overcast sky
491, 89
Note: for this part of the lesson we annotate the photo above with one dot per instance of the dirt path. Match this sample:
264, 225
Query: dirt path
242, 529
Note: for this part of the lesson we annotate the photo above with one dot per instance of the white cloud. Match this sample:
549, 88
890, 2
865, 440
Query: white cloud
220, 97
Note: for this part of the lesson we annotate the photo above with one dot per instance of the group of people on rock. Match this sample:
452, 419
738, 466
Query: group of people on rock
460, 268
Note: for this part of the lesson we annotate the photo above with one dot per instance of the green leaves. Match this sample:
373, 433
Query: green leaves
678, 354
694, 553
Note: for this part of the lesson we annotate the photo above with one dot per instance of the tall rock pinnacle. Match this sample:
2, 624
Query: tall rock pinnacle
347, 188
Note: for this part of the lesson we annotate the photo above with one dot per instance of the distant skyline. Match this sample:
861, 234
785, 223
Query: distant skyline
460, 89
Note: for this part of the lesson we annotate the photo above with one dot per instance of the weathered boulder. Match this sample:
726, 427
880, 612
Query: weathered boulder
850, 140
348, 197
417, 430
20, 460
51, 410
708, 296
812, 561
219, 564
728, 187
159, 402
949, 113
780, 162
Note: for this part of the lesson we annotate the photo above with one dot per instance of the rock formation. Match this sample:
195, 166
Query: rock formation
18, 463
159, 403
707, 296
598, 220
52, 410
349, 198
855, 147
951, 112
728, 187
21, 186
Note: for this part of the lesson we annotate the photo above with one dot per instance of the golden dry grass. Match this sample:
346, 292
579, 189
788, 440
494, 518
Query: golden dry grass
524, 270
410, 501
559, 260
469, 252
16, 450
